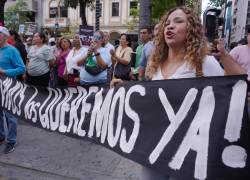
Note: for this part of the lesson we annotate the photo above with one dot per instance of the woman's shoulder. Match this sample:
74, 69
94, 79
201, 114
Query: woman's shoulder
211, 67
129, 49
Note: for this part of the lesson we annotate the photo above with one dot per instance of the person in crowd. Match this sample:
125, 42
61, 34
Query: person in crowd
145, 36
40, 59
109, 47
71, 71
147, 51
182, 53
11, 64
28, 44
65, 46
242, 42
241, 55
20, 47
107, 44
233, 45
121, 58
95, 62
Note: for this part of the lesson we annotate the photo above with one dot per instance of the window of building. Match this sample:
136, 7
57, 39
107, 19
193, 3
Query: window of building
115, 8
133, 5
53, 13
63, 10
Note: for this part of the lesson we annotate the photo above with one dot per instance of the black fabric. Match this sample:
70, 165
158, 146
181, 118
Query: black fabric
195, 128
122, 71
94, 70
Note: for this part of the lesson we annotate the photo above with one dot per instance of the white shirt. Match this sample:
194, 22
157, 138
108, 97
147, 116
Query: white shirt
210, 67
73, 57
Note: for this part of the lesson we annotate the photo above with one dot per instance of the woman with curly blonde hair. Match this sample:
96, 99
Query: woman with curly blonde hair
181, 52
182, 49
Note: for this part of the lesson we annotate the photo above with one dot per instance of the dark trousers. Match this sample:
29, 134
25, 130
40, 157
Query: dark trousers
42, 80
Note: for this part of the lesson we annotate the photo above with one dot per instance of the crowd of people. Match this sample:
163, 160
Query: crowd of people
175, 48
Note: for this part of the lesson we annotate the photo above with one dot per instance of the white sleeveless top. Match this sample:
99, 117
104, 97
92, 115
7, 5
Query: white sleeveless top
210, 66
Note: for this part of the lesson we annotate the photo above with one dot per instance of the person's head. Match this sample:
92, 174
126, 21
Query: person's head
242, 42
145, 34
124, 40
77, 41
29, 41
65, 43
4, 35
156, 29
106, 37
248, 36
98, 38
180, 28
39, 38
233, 45
15, 36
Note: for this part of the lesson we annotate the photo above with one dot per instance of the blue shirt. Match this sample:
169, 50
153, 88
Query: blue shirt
11, 61
85, 77
146, 53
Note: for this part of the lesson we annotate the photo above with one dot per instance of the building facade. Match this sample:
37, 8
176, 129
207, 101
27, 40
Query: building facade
114, 15
34, 9
240, 19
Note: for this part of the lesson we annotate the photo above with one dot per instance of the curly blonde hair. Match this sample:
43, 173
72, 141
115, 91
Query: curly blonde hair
195, 45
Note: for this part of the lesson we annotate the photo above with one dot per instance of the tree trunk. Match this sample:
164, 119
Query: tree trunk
2, 4
83, 13
145, 13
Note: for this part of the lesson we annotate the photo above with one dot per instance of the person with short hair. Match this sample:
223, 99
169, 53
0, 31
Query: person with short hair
147, 51
95, 62
145, 36
11, 65
40, 59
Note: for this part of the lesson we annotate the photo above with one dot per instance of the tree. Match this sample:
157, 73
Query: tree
217, 3
133, 23
145, 14
83, 4
2, 4
159, 7
16, 15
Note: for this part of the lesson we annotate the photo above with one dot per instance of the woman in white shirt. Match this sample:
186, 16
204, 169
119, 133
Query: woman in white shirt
182, 53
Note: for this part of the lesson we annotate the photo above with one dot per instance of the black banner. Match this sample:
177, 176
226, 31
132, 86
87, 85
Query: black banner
187, 128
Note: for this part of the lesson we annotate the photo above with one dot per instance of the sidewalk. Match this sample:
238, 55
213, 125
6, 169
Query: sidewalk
41, 155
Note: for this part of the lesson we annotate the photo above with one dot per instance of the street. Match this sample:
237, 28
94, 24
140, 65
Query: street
42, 155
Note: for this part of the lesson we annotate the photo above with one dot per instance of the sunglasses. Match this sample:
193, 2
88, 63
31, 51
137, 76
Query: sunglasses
97, 37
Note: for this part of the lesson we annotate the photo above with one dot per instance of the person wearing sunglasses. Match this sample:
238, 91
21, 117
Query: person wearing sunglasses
95, 62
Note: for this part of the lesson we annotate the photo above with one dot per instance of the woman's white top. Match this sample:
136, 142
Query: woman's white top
210, 66
72, 58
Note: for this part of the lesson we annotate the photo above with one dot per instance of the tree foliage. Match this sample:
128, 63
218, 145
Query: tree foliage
133, 23
83, 4
159, 7
16, 15
217, 3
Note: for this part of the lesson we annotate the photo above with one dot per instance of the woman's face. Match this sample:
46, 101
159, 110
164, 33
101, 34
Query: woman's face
123, 41
37, 39
175, 30
65, 44
76, 41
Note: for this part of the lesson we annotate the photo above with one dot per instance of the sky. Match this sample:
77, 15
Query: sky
204, 4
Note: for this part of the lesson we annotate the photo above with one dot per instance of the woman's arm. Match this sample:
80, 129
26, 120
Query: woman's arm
100, 61
82, 60
230, 66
